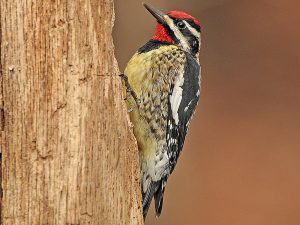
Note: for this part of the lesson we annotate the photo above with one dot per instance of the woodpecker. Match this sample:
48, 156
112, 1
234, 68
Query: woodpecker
163, 78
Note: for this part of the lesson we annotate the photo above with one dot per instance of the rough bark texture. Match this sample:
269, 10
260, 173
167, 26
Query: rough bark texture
68, 154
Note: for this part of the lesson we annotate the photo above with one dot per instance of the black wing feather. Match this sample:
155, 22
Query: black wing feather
190, 97
176, 133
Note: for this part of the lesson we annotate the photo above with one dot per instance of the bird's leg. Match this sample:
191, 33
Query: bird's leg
128, 95
129, 92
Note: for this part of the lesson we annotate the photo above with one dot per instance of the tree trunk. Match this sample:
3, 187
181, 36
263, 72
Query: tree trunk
68, 153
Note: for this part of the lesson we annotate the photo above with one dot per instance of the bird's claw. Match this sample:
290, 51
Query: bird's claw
130, 93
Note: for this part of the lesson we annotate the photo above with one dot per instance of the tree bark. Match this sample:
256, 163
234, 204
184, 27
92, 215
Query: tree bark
68, 153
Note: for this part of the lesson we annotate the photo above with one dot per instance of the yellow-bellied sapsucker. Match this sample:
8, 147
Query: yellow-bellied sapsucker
164, 80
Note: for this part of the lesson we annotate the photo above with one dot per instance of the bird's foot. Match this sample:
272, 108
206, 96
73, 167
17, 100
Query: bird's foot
129, 93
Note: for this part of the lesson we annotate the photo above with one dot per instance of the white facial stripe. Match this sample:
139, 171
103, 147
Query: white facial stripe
192, 29
183, 41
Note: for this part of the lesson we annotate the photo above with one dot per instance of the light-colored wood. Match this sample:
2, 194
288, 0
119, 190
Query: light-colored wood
68, 153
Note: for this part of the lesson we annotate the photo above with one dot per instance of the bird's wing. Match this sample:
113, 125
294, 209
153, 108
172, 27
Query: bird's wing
183, 100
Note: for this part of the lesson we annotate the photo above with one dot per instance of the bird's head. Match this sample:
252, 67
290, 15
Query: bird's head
177, 28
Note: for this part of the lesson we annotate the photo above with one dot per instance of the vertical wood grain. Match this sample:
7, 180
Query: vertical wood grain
68, 153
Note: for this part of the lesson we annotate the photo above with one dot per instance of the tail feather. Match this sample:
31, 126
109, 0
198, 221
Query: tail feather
155, 189
147, 197
159, 197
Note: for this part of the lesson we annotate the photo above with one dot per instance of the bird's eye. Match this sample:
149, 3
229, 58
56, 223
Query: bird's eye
181, 25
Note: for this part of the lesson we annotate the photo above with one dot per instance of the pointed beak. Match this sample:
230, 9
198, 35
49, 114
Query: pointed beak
160, 16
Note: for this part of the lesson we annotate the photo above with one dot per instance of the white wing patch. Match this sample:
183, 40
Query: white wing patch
176, 97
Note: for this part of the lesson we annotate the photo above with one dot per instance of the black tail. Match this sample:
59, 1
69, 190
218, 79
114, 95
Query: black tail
147, 197
159, 197
157, 190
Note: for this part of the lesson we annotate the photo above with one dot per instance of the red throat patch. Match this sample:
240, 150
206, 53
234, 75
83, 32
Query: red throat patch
161, 34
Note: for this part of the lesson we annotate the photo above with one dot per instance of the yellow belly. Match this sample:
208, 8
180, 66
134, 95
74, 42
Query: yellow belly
144, 71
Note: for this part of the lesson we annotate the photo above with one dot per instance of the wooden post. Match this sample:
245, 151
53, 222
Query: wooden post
68, 153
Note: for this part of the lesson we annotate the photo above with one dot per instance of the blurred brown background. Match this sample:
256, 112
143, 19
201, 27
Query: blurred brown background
241, 160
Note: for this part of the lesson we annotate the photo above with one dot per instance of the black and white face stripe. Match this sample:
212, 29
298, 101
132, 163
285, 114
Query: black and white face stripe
193, 37
185, 33
194, 25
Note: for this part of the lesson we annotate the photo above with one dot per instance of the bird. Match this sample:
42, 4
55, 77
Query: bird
163, 87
